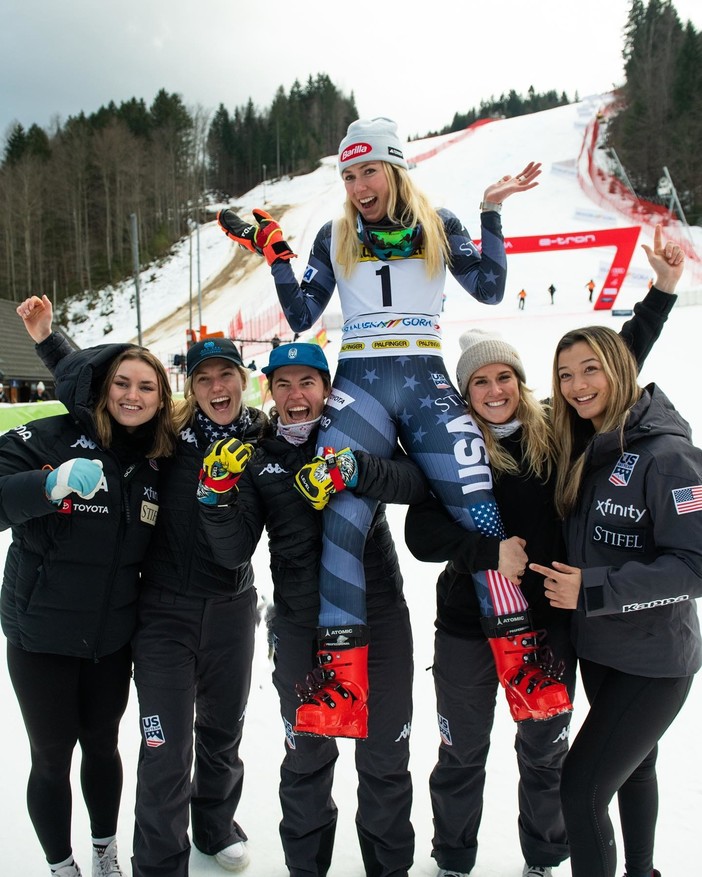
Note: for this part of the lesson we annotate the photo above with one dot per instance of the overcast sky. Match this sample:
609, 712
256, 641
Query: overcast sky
417, 61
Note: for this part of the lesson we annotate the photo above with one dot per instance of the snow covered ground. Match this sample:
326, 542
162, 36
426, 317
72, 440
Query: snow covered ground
455, 178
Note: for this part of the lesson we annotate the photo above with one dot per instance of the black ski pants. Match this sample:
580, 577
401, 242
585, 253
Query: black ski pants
466, 688
383, 824
192, 661
67, 700
615, 752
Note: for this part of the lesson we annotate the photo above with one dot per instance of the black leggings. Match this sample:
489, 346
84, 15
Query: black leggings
615, 753
65, 700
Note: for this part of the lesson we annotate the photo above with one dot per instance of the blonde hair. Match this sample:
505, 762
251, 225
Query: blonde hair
619, 367
184, 412
408, 206
537, 437
164, 435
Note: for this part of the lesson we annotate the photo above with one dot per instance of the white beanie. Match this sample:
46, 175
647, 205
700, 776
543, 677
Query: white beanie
484, 348
371, 140
41, 387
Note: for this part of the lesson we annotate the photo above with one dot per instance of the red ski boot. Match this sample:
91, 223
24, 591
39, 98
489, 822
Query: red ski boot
526, 669
334, 695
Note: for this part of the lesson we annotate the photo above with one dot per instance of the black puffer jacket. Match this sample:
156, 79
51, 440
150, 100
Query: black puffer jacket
179, 559
267, 497
71, 578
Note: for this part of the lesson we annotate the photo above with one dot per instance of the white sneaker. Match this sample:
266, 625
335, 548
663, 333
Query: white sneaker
71, 870
234, 857
105, 864
537, 871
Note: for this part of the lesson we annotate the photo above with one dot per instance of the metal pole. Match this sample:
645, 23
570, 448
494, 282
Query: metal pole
199, 287
190, 268
264, 183
674, 196
135, 260
622, 172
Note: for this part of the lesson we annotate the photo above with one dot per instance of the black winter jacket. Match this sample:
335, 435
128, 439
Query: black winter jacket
179, 559
267, 497
637, 535
71, 578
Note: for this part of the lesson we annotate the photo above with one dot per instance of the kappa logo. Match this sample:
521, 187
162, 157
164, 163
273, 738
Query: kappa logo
24, 433
565, 733
405, 732
187, 435
84, 442
153, 731
273, 469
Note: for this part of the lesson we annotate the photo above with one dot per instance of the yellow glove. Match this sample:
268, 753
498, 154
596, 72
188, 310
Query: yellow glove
223, 463
325, 475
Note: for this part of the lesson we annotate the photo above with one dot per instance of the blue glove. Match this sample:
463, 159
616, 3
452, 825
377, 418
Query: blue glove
79, 476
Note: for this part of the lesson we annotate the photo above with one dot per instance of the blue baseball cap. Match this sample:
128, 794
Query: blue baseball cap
222, 348
296, 354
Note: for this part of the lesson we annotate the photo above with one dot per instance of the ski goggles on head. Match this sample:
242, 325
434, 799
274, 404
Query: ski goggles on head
387, 242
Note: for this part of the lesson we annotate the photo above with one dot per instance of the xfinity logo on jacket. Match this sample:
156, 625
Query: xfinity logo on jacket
609, 507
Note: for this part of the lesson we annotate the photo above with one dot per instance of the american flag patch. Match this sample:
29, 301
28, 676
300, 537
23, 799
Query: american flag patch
622, 471
688, 499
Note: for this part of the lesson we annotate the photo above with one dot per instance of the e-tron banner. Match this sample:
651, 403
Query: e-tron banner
622, 239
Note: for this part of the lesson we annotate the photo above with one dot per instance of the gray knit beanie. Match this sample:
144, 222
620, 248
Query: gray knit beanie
371, 140
483, 348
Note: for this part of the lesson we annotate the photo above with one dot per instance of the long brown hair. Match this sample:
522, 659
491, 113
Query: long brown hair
619, 367
164, 434
407, 206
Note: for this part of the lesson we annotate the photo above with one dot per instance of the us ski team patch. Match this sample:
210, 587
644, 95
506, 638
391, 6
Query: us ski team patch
153, 732
444, 730
622, 471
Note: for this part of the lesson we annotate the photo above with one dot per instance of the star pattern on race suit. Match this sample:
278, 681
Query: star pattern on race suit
371, 376
419, 435
490, 277
426, 402
404, 417
410, 382
487, 519
443, 418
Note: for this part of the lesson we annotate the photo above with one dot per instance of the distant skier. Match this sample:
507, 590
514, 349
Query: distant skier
522, 298
590, 285
552, 292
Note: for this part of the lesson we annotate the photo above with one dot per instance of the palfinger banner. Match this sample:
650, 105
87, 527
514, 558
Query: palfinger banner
622, 239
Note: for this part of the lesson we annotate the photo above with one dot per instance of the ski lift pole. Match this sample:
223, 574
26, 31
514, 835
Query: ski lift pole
135, 260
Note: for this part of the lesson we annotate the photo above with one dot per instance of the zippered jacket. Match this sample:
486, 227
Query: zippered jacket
636, 532
71, 577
